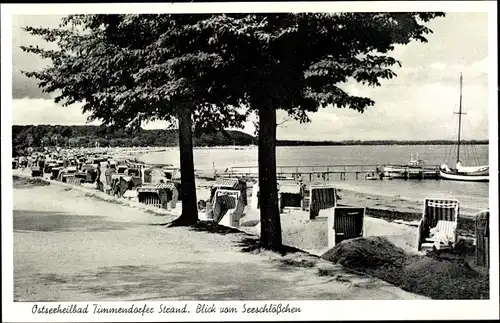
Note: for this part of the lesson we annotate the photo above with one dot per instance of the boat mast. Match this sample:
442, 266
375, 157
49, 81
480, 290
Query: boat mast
459, 119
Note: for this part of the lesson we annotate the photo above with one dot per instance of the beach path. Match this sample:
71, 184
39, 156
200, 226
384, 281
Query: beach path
68, 247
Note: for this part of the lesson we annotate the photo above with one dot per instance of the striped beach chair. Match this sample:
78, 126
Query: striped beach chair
73, 180
321, 197
345, 223
158, 195
438, 226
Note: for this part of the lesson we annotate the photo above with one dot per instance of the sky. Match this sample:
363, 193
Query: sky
416, 105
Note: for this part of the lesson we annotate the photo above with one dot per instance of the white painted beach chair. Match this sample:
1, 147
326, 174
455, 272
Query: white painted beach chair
227, 207
438, 226
345, 222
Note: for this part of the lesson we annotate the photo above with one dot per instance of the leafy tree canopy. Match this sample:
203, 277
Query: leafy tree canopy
140, 67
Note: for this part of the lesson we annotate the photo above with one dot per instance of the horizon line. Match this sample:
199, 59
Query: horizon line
296, 140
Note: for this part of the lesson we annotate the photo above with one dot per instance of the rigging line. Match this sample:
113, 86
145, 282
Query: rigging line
454, 147
474, 155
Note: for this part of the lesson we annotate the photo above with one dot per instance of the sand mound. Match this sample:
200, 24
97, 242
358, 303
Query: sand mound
437, 277
251, 218
367, 252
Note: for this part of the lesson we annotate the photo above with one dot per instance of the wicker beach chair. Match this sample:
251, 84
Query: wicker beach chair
227, 207
127, 183
290, 195
36, 172
482, 224
229, 184
158, 195
321, 197
73, 180
438, 226
345, 222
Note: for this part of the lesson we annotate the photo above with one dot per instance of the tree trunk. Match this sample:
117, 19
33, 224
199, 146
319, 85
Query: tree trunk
189, 214
270, 225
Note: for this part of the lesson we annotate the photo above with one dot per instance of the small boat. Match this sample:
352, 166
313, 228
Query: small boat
413, 169
461, 173
372, 177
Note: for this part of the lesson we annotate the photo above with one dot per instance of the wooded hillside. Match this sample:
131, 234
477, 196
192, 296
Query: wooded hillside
85, 136
78, 136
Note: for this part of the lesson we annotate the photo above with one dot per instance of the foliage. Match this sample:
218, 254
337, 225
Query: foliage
78, 136
132, 68
298, 63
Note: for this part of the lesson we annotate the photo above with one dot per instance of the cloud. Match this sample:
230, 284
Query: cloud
417, 104
28, 111
459, 38
23, 87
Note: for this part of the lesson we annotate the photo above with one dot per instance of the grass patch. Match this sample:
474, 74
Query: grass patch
19, 181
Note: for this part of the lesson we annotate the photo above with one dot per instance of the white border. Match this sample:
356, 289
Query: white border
311, 310
254, 7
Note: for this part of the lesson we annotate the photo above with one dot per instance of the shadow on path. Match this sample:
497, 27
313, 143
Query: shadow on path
24, 220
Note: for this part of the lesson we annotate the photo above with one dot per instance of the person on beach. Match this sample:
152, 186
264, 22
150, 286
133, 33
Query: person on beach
163, 178
98, 177
41, 163
108, 174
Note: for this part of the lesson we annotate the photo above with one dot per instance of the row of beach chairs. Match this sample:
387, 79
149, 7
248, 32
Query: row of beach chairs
437, 228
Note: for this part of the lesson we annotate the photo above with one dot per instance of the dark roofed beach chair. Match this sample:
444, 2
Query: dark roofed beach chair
438, 226
345, 223
290, 195
229, 184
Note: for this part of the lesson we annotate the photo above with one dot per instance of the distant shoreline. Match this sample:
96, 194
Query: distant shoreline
298, 143
37, 136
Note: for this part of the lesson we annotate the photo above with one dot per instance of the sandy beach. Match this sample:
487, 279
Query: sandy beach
68, 246
83, 217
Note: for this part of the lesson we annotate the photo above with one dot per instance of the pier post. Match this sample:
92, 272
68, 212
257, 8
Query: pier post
357, 175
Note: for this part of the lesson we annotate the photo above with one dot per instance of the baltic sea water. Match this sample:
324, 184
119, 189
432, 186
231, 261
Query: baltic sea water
471, 193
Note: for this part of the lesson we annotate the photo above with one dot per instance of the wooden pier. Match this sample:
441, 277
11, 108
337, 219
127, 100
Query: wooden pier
307, 173
329, 172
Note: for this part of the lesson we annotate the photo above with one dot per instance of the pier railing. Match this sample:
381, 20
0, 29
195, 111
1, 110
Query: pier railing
311, 172
314, 172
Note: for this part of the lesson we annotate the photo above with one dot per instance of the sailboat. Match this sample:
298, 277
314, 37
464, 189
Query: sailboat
464, 173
